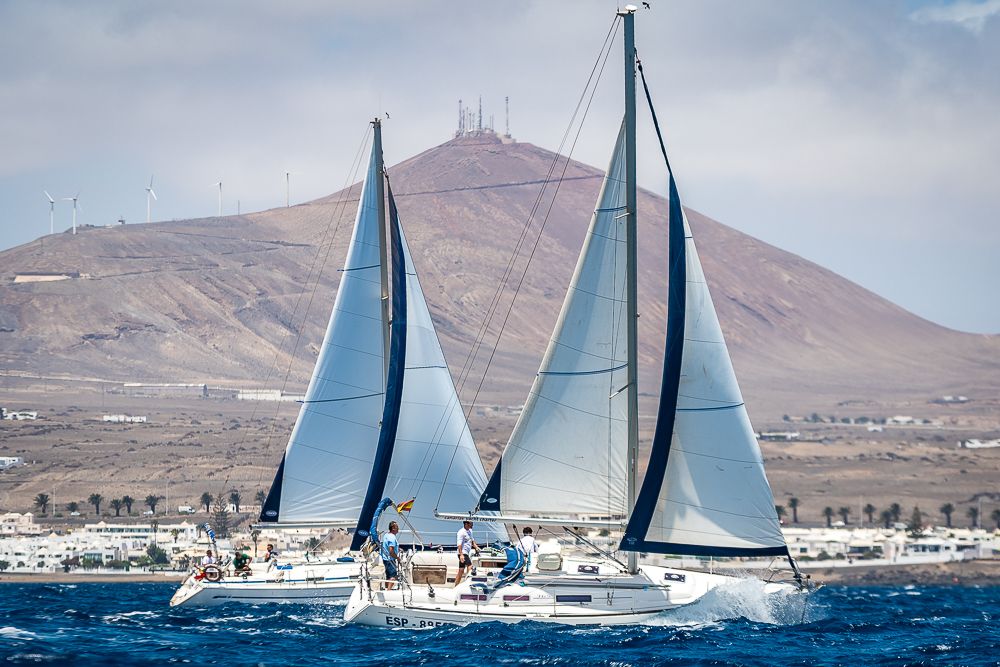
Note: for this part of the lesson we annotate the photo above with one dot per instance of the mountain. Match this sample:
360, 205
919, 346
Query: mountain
243, 301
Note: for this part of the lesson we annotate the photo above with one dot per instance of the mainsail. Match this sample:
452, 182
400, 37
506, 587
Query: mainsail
567, 453
431, 439
324, 472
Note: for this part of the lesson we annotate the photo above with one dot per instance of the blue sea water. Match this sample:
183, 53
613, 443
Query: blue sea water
131, 624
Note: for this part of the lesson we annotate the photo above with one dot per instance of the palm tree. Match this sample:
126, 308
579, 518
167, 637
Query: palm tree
896, 511
828, 513
870, 511
151, 501
96, 499
174, 533
886, 517
73, 507
794, 504
947, 509
916, 520
128, 501
116, 505
973, 514
780, 511
995, 515
844, 513
42, 501
260, 497
234, 498
206, 500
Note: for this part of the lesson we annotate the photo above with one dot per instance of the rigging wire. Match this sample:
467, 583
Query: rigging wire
596, 72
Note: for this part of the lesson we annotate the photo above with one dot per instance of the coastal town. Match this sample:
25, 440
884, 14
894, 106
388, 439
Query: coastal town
128, 549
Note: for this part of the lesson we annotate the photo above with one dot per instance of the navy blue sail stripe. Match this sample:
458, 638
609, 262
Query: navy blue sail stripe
490, 500
394, 381
272, 504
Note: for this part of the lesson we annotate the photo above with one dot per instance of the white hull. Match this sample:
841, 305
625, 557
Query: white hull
608, 597
305, 582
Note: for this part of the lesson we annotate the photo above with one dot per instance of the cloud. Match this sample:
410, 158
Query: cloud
785, 120
969, 15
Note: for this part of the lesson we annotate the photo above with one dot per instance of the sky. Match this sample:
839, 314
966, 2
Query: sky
863, 136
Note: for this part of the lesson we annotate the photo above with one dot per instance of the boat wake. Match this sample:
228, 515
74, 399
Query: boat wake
746, 598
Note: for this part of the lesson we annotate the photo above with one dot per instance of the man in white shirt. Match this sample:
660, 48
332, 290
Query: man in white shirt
528, 547
208, 559
465, 545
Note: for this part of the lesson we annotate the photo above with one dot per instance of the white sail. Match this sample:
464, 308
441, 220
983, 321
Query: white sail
567, 453
434, 458
714, 494
328, 460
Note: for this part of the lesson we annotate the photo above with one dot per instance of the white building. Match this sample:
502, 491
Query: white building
12, 524
10, 462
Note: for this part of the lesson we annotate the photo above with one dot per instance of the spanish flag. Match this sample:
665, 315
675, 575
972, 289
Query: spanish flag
405, 506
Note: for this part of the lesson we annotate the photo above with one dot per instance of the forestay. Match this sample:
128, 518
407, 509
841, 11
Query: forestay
567, 453
325, 469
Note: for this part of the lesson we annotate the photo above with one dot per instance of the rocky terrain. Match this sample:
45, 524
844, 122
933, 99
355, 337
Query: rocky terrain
242, 302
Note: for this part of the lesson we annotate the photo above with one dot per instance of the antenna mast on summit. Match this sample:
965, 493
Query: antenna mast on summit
506, 102
479, 124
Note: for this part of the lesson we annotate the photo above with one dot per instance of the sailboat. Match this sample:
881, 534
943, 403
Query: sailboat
572, 459
380, 417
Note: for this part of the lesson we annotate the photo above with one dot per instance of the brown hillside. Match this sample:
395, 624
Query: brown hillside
222, 300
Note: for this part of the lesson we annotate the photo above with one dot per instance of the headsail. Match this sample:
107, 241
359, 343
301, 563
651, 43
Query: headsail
324, 472
567, 453
430, 439
705, 492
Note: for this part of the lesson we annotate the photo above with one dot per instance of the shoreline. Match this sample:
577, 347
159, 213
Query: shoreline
984, 572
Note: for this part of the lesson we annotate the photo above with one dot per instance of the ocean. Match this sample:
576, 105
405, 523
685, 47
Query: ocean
130, 624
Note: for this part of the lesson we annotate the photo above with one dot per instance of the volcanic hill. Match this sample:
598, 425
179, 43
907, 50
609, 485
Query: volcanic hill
243, 300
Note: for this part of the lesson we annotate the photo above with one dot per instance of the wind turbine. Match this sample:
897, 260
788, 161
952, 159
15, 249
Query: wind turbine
73, 199
220, 196
52, 212
287, 186
149, 192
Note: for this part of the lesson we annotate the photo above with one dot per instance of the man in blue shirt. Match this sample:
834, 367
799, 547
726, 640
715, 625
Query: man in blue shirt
390, 555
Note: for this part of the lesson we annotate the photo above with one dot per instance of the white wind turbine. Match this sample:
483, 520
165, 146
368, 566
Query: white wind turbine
52, 212
220, 196
149, 193
73, 199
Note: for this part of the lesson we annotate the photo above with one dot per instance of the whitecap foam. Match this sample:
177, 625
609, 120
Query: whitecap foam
744, 598
10, 632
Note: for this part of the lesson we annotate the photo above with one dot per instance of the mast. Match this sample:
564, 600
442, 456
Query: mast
383, 250
631, 271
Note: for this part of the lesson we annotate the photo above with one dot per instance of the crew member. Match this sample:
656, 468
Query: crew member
528, 546
465, 545
390, 555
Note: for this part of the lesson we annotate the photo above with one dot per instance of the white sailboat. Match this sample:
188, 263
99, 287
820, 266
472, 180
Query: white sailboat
572, 457
380, 417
